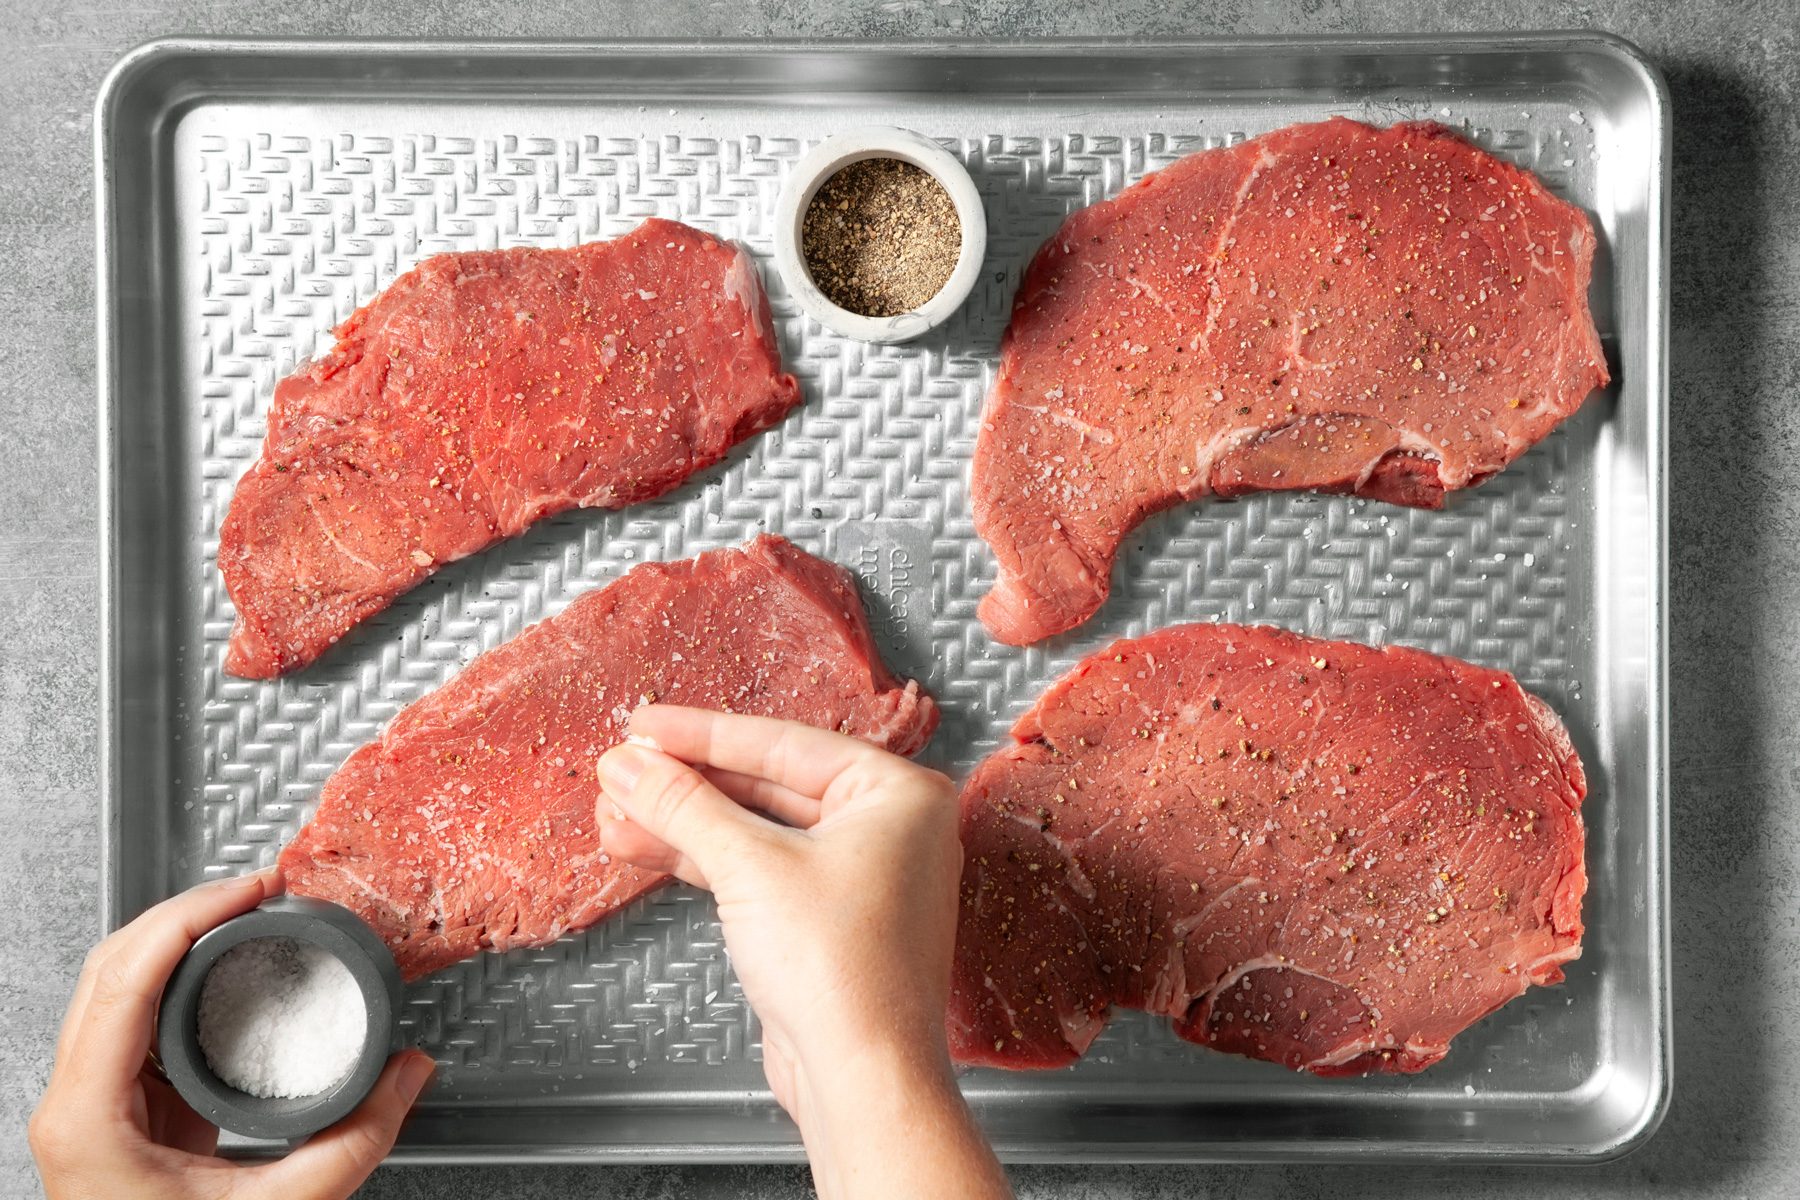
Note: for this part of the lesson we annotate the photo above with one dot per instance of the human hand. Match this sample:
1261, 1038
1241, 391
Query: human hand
109, 1125
840, 921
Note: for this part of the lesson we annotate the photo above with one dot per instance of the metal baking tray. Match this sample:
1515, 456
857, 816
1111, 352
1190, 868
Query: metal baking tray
251, 194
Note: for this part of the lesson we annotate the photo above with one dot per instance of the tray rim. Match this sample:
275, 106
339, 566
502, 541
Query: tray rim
132, 68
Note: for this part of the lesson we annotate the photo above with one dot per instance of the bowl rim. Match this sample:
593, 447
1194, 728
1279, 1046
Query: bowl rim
330, 927
829, 157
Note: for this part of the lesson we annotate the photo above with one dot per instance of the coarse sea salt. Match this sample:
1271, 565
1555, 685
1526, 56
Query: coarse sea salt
281, 1017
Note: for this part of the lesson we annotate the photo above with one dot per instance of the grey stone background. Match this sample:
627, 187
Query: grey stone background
1735, 436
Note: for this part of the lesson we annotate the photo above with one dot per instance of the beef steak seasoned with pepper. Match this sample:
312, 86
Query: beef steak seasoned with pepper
470, 824
478, 394
1389, 312
1328, 856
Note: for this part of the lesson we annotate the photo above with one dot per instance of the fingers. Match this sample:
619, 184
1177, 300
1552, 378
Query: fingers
334, 1163
173, 1123
672, 803
798, 757
107, 1032
754, 792
626, 840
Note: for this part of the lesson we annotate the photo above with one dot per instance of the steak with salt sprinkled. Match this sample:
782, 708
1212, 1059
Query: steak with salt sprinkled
469, 825
1388, 312
1329, 856
478, 394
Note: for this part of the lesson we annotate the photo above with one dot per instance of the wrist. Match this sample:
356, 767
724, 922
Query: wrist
865, 1112
877, 1080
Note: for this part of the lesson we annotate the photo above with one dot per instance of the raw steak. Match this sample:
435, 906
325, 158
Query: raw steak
476, 395
1328, 856
470, 824
1389, 312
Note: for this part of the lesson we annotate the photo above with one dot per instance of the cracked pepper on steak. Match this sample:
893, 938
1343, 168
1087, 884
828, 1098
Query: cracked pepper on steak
1334, 307
1322, 854
478, 394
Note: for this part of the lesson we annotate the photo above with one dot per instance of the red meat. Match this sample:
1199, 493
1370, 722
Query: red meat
1389, 312
1325, 855
470, 824
479, 393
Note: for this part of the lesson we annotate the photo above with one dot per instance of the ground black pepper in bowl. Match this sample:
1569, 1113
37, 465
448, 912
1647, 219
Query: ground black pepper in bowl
881, 237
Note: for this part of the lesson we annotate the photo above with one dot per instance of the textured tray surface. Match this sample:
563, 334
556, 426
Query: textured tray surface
288, 216
293, 231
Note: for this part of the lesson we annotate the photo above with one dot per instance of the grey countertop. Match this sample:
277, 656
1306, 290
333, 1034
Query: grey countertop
1734, 70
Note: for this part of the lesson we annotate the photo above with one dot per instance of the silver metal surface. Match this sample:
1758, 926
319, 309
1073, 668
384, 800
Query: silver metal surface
253, 194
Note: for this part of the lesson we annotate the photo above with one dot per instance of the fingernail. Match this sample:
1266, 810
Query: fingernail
415, 1073
242, 882
621, 766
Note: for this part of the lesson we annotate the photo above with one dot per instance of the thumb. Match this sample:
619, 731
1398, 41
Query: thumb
334, 1162
675, 804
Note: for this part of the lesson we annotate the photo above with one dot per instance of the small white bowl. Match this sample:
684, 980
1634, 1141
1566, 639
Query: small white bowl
833, 155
